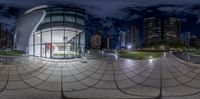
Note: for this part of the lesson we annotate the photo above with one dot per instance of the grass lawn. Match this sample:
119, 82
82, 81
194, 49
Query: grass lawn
196, 52
10, 53
140, 55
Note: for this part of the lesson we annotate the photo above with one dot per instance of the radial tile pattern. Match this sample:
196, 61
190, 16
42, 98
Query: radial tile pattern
108, 77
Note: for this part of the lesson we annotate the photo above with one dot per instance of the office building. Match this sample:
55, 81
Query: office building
152, 30
159, 31
51, 32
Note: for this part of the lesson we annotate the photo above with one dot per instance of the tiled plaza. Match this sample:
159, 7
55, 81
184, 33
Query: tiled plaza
105, 77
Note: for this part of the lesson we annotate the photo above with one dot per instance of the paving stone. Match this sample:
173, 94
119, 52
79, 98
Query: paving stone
106, 84
33, 81
16, 85
126, 83
99, 78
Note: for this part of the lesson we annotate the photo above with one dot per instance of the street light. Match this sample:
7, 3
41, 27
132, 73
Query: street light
150, 59
129, 47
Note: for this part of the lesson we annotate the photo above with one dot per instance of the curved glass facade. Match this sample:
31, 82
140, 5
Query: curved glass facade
59, 35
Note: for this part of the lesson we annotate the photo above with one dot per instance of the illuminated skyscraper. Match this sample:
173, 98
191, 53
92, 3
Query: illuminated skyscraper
132, 37
122, 39
157, 31
172, 28
152, 30
6, 38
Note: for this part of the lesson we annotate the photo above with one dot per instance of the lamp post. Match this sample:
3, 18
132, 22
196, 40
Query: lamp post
129, 46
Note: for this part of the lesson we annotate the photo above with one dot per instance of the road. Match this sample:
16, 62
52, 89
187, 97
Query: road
105, 77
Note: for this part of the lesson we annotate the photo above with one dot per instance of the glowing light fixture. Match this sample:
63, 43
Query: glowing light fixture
151, 61
129, 46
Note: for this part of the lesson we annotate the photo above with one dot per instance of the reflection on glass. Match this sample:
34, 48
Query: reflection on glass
58, 43
59, 35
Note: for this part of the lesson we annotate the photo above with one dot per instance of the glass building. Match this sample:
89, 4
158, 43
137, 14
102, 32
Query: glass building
58, 34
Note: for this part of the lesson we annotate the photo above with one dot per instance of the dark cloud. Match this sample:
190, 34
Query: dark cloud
106, 12
109, 8
8, 16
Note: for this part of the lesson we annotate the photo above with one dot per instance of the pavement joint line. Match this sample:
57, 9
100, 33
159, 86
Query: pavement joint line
34, 87
177, 79
161, 87
120, 89
114, 63
178, 82
7, 80
139, 74
92, 86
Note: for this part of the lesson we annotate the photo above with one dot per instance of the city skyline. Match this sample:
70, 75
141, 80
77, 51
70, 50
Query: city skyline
162, 31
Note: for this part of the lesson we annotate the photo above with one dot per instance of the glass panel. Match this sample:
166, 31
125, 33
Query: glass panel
70, 18
58, 11
31, 50
80, 21
43, 50
58, 43
37, 50
82, 41
57, 36
46, 37
58, 50
69, 12
46, 20
47, 49
69, 35
57, 18
46, 44
80, 14
37, 38
69, 50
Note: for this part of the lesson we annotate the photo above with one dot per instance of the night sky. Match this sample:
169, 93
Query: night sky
113, 16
